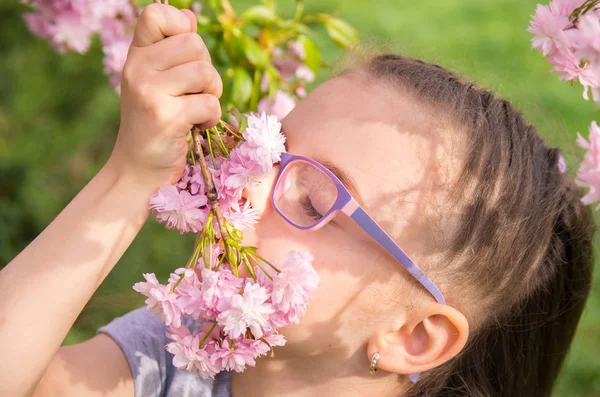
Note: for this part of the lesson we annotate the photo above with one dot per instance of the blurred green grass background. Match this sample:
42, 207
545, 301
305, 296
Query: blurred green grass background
59, 119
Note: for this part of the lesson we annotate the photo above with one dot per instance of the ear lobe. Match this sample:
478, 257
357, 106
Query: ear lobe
426, 340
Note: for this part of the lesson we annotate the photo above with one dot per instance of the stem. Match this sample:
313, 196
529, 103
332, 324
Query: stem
585, 7
177, 283
249, 266
262, 268
299, 10
256, 256
221, 145
211, 192
210, 150
207, 334
231, 130
255, 89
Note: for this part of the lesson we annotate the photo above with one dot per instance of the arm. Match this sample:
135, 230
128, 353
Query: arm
43, 289
168, 86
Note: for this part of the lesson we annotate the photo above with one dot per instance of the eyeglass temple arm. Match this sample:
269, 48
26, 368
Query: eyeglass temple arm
371, 227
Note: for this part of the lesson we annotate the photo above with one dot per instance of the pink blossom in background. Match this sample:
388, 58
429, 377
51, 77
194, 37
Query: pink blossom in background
588, 175
279, 106
65, 31
68, 25
179, 209
572, 48
297, 49
564, 7
547, 28
115, 56
304, 74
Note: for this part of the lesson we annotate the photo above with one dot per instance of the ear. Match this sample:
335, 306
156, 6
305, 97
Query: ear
425, 340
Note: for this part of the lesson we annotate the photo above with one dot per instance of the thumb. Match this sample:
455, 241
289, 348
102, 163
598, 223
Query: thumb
192, 17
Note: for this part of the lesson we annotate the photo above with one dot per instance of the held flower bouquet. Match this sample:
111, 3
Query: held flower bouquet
240, 315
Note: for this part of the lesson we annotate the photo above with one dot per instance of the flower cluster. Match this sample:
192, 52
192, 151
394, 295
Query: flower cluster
295, 75
240, 316
588, 174
568, 32
185, 206
69, 25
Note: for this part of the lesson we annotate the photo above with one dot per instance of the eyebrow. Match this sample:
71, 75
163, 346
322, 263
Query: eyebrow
345, 178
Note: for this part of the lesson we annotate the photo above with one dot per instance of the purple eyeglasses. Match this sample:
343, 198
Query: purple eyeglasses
307, 195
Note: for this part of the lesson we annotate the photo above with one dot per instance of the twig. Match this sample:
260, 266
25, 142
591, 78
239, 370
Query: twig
211, 192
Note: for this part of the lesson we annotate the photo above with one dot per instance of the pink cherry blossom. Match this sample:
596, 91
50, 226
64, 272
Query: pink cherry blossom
192, 180
115, 56
564, 7
160, 300
279, 106
232, 359
189, 356
241, 218
588, 174
547, 28
179, 209
218, 288
294, 285
297, 49
250, 310
304, 74
264, 135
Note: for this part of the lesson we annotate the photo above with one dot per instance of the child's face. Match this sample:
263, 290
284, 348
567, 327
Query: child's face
392, 150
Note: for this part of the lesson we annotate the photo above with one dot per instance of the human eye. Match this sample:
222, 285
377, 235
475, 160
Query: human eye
309, 209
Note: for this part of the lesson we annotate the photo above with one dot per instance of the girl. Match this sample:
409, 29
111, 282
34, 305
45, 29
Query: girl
463, 184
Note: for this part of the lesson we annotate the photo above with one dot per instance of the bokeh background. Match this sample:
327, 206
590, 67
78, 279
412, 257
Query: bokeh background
59, 118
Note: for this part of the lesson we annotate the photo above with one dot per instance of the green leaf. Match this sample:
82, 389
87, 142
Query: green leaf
269, 3
255, 53
181, 4
234, 43
261, 14
242, 88
215, 5
340, 32
313, 55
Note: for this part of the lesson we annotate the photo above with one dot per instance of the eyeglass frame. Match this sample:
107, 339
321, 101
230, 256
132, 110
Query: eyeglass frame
348, 205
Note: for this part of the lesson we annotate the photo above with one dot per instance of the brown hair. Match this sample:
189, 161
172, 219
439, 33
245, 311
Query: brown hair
522, 248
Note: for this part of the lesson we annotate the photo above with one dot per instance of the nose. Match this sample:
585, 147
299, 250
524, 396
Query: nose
260, 195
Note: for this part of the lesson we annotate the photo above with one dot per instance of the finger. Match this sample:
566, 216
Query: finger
159, 21
175, 50
191, 78
201, 109
190, 14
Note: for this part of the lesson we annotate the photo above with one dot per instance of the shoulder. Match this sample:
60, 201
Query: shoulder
142, 337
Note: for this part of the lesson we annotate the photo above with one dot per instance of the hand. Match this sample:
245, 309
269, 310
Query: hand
168, 85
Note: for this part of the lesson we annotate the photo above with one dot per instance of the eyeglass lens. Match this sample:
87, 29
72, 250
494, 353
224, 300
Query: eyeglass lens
304, 193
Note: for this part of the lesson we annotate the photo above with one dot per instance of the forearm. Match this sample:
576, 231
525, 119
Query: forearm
44, 288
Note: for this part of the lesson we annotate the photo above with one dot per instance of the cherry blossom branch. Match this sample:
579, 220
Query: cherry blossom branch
211, 191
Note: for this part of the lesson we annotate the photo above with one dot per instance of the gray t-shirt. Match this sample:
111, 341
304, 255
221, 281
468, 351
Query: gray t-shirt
142, 337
